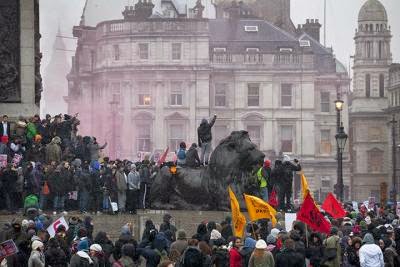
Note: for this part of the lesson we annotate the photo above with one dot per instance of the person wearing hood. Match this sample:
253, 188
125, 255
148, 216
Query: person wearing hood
288, 257
192, 157
370, 254
205, 138
37, 258
390, 256
82, 258
261, 256
333, 250
53, 150
132, 194
271, 245
97, 255
125, 238
181, 243
247, 249
106, 244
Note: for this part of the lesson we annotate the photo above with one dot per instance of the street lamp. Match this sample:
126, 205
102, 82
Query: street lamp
341, 138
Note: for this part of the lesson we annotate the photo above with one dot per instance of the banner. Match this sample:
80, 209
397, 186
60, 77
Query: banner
238, 219
8, 248
332, 206
398, 209
355, 206
273, 199
304, 186
53, 227
259, 209
310, 214
163, 157
289, 219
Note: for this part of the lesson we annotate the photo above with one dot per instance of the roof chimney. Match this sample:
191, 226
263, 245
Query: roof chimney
312, 28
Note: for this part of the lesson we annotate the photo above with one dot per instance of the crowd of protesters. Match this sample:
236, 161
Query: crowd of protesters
46, 159
364, 238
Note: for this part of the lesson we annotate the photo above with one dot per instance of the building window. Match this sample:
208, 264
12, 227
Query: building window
253, 95
116, 52
380, 49
255, 134
374, 134
287, 139
220, 94
175, 136
381, 85
286, 95
367, 85
176, 94
220, 132
375, 160
326, 183
325, 102
144, 51
325, 146
143, 139
144, 99
176, 51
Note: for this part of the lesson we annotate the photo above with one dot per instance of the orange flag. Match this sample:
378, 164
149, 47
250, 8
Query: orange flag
310, 214
259, 209
332, 206
238, 219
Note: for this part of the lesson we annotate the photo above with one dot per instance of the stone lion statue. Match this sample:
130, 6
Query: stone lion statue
206, 188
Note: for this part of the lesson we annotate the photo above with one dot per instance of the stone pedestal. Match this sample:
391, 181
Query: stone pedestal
20, 84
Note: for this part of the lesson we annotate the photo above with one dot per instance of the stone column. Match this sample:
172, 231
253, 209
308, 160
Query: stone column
17, 94
159, 127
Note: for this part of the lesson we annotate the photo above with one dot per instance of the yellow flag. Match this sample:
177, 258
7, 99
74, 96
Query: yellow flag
238, 219
304, 186
259, 209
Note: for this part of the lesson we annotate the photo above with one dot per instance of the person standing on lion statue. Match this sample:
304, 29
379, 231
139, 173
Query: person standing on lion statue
282, 177
205, 138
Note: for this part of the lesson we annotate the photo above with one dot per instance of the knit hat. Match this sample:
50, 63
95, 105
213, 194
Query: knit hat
25, 223
96, 247
83, 245
275, 232
261, 244
181, 234
36, 244
271, 239
267, 163
249, 242
215, 234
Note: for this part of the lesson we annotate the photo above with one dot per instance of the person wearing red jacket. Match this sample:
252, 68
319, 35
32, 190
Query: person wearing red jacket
235, 258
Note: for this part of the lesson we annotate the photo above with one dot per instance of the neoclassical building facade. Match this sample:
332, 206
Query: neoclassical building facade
144, 82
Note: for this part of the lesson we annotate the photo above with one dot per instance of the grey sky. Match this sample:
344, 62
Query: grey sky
341, 22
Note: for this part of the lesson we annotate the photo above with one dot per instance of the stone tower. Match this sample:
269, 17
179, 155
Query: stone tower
368, 122
55, 81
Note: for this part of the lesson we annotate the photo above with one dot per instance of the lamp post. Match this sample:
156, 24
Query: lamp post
341, 138
394, 161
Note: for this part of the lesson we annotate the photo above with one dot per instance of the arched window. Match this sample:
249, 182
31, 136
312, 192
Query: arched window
366, 27
377, 27
371, 27
381, 85
380, 49
360, 27
381, 28
367, 85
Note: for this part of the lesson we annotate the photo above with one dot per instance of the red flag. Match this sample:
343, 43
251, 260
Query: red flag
163, 157
310, 214
273, 199
333, 207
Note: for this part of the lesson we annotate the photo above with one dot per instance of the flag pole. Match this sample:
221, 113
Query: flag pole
306, 235
252, 228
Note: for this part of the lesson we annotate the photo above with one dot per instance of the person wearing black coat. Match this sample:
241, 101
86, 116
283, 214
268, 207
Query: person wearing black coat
192, 157
205, 138
5, 127
315, 250
288, 257
54, 255
106, 245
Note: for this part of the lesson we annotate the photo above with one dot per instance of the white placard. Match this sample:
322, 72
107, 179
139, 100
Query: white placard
53, 227
289, 219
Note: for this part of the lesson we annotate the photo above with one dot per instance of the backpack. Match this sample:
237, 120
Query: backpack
181, 154
31, 201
